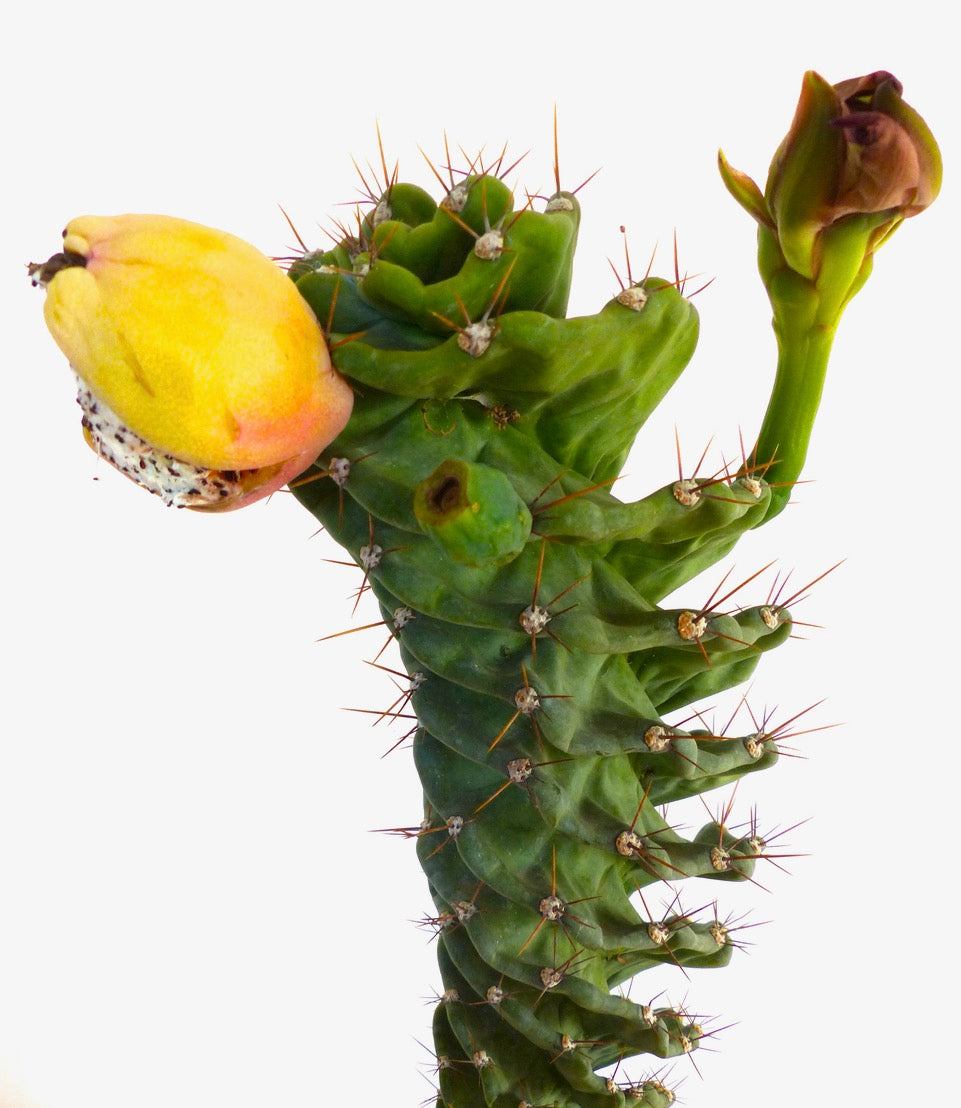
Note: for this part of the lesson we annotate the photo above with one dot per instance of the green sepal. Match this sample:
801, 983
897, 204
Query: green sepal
744, 190
846, 252
803, 179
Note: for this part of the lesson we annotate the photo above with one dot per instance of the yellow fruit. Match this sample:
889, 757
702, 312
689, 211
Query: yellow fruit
196, 354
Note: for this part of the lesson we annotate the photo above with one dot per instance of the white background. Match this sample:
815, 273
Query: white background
193, 910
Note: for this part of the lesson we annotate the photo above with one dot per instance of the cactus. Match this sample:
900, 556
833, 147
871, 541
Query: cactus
543, 664
473, 487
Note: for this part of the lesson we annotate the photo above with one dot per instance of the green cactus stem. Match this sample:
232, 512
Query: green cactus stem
473, 486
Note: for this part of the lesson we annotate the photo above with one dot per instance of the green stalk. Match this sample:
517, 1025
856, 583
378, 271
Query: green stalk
806, 316
803, 355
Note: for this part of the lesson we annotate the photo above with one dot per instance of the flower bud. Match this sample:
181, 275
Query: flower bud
204, 375
854, 149
855, 164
